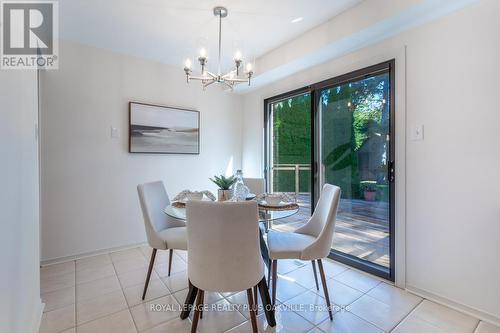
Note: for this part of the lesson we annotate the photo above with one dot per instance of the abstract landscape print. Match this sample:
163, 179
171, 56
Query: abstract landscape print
163, 130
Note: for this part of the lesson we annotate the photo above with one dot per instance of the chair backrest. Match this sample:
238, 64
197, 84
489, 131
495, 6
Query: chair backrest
322, 223
255, 185
154, 199
223, 243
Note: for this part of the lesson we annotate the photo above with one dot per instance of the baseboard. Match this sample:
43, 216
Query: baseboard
37, 317
487, 317
59, 260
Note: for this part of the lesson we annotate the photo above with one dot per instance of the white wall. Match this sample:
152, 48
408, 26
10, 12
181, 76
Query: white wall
89, 196
452, 204
20, 305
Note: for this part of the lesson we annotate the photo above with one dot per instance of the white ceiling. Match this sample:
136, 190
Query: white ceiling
171, 30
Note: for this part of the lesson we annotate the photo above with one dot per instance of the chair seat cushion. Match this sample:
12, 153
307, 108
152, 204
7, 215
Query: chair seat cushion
287, 245
175, 238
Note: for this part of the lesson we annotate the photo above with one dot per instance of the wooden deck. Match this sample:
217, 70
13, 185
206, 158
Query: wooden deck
362, 227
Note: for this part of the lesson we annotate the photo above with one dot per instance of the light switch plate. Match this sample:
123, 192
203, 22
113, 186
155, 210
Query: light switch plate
417, 133
115, 133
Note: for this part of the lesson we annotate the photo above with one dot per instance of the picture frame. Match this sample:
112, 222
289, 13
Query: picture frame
159, 129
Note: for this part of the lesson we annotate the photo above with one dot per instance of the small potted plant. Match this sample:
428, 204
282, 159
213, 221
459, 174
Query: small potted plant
369, 189
224, 183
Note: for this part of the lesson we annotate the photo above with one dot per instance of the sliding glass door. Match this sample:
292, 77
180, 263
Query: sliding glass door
355, 153
351, 136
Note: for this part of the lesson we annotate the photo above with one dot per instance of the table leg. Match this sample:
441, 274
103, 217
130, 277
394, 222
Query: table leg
266, 302
188, 303
263, 247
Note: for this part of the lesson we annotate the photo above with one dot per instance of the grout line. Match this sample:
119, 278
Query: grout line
407, 315
123, 293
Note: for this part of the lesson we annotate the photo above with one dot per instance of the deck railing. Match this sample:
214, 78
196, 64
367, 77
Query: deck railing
293, 167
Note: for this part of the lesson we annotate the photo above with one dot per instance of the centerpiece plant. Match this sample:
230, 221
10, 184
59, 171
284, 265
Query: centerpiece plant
224, 183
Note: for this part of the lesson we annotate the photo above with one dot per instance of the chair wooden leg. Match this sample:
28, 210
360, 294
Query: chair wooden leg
151, 265
266, 303
269, 268
256, 300
325, 288
196, 315
202, 304
171, 254
251, 304
315, 274
275, 278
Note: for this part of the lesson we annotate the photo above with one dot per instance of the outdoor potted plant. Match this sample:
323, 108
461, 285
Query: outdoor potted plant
369, 189
224, 183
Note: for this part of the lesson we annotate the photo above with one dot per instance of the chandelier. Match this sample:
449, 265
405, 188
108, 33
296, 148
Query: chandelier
229, 79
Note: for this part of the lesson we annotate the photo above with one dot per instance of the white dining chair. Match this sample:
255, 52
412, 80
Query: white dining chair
312, 241
255, 185
224, 252
163, 232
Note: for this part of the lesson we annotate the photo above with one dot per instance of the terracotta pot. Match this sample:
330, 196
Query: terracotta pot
369, 195
223, 195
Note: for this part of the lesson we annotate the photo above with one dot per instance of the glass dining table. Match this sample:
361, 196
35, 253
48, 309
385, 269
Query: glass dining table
266, 216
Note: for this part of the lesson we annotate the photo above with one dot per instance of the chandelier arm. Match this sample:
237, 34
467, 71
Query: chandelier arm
237, 80
209, 83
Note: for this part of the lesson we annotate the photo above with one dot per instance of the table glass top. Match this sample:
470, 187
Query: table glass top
180, 213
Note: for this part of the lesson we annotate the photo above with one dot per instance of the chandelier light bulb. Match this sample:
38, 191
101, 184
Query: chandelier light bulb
188, 64
203, 52
249, 67
237, 55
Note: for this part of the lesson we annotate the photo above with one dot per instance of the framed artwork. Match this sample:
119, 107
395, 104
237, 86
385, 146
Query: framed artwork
156, 129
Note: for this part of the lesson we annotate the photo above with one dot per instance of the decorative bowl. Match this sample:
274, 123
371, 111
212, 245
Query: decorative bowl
273, 199
195, 196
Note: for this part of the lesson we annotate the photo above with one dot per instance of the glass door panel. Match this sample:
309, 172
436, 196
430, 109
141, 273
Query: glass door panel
289, 154
354, 154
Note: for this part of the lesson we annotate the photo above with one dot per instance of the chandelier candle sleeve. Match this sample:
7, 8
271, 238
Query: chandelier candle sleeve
207, 77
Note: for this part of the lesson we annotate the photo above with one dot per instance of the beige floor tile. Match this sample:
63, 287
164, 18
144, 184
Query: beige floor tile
360, 281
120, 322
177, 281
131, 264
96, 288
57, 282
135, 277
182, 254
178, 266
340, 294
219, 317
128, 254
384, 316
305, 276
286, 321
333, 268
58, 320
287, 265
94, 273
100, 307
156, 289
93, 262
58, 299
287, 289
487, 328
146, 318
445, 318
175, 326
241, 300
346, 322
210, 297
309, 305
50, 271
394, 296
71, 330
413, 324
315, 330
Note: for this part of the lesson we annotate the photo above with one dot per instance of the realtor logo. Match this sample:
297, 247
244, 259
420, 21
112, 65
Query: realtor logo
29, 35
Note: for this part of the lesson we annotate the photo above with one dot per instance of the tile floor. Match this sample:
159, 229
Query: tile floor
102, 294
